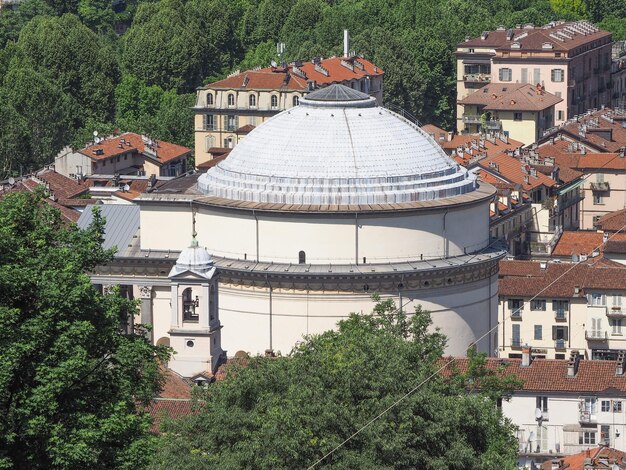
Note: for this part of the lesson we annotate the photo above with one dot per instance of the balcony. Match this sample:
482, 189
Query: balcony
559, 344
471, 118
516, 314
477, 78
587, 417
516, 343
616, 312
600, 186
596, 335
560, 314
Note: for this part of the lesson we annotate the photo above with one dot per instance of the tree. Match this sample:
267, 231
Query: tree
570, 9
70, 383
289, 412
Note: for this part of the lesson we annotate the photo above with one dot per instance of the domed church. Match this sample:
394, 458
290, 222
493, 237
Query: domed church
314, 211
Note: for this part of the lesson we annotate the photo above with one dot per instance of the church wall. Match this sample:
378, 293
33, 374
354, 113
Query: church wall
165, 226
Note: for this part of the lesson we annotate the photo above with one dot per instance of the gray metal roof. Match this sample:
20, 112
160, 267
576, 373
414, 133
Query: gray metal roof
337, 153
122, 223
336, 92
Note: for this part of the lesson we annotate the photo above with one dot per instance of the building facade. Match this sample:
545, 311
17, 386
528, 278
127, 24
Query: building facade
227, 110
571, 60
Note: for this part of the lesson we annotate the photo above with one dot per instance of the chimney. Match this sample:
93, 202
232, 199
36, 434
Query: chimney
346, 43
621, 359
526, 356
572, 364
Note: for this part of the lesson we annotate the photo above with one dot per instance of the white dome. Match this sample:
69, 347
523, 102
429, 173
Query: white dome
194, 258
337, 147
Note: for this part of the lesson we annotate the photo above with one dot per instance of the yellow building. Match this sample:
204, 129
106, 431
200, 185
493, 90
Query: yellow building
523, 111
227, 110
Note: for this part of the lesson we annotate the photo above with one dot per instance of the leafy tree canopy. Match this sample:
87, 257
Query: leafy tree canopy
69, 381
289, 412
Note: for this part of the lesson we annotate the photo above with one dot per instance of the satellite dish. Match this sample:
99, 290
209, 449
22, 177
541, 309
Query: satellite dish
532, 437
126, 188
274, 64
11, 180
538, 413
97, 140
95, 133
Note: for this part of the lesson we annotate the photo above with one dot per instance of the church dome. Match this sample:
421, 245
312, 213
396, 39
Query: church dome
339, 148
194, 258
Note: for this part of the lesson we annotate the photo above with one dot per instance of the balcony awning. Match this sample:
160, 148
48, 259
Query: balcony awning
570, 187
572, 428
485, 61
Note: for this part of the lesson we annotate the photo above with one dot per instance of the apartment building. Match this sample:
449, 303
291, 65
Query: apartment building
571, 60
578, 307
618, 75
227, 110
521, 111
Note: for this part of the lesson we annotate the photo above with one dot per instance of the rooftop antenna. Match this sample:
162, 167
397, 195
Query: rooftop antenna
280, 48
194, 234
346, 43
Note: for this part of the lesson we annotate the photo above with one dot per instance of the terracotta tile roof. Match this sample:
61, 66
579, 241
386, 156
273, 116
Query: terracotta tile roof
78, 202
175, 386
533, 38
557, 280
165, 151
245, 129
61, 186
601, 458
511, 97
550, 375
612, 222
616, 246
162, 409
437, 133
515, 171
295, 78
601, 130
577, 243
211, 163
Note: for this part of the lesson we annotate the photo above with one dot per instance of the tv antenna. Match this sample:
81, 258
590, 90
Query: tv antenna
280, 48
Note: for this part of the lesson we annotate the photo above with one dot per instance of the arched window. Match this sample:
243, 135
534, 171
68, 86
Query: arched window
189, 306
209, 142
274, 101
252, 101
209, 99
296, 100
231, 99
302, 257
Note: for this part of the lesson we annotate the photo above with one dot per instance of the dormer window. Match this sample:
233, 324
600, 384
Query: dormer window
209, 99
252, 101
190, 305
274, 101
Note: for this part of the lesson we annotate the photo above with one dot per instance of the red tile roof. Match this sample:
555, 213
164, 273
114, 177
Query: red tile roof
295, 78
600, 458
581, 242
612, 222
111, 147
550, 375
511, 97
437, 133
533, 38
61, 186
516, 171
558, 280
163, 409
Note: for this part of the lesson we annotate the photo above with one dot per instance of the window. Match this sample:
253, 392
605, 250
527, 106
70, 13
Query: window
587, 438
559, 115
605, 406
231, 122
542, 438
617, 406
538, 332
252, 101
209, 122
596, 299
296, 100
209, 142
231, 100
557, 75
617, 301
605, 436
209, 99
515, 336
301, 257
505, 75
559, 332
542, 403
189, 306
616, 325
517, 116
538, 305
524, 75
560, 308
536, 76
274, 101
228, 142
598, 199
516, 306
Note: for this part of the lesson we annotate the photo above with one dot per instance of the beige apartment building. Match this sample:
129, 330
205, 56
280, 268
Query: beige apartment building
560, 307
571, 60
227, 110
522, 111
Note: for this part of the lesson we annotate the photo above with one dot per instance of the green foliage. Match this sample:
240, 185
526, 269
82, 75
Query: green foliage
570, 9
615, 25
69, 381
289, 412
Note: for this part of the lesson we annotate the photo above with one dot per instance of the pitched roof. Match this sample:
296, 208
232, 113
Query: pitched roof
131, 142
435, 132
599, 458
122, 223
612, 222
511, 97
515, 171
550, 375
557, 280
534, 37
61, 186
295, 77
581, 242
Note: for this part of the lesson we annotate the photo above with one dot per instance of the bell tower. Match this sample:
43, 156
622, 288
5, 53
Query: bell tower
195, 331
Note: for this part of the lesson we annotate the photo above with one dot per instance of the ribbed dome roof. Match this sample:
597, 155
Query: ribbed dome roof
194, 258
338, 147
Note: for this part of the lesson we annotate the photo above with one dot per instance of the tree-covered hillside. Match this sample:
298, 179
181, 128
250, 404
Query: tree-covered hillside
68, 67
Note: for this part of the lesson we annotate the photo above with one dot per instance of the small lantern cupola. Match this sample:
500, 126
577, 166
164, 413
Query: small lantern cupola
195, 325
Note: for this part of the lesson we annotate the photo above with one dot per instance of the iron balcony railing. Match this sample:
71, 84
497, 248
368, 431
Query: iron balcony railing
596, 335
